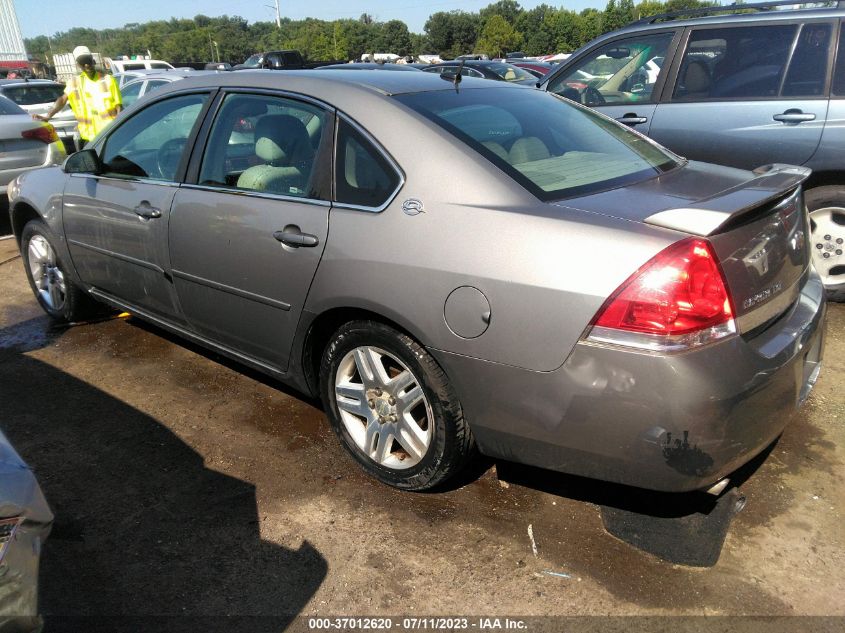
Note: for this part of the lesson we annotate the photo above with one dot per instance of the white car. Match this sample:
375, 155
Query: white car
37, 96
126, 65
24, 143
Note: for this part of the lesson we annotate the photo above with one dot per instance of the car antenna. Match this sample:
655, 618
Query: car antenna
458, 75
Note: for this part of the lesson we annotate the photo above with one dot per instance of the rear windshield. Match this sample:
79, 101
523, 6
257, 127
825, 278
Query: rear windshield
33, 94
509, 72
551, 147
9, 107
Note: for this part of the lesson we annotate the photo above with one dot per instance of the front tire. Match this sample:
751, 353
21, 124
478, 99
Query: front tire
826, 206
392, 407
48, 277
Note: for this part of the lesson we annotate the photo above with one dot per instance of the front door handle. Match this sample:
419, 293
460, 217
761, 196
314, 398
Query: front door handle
146, 211
293, 236
794, 115
632, 119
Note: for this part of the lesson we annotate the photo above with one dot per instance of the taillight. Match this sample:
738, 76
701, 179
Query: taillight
678, 300
45, 133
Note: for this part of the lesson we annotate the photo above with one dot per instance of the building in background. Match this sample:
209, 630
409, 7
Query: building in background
12, 52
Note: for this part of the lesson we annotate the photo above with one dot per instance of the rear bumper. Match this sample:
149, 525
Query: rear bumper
664, 422
55, 155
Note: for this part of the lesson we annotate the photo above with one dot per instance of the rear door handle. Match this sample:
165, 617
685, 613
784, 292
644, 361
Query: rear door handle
147, 211
293, 236
632, 119
794, 116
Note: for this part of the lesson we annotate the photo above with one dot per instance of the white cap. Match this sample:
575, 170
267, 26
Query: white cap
79, 51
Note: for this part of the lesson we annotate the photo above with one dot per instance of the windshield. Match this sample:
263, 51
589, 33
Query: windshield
252, 62
33, 94
509, 72
551, 147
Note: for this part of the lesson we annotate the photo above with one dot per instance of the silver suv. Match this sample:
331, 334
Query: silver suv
741, 89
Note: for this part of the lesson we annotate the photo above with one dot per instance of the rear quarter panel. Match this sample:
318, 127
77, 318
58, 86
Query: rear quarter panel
544, 270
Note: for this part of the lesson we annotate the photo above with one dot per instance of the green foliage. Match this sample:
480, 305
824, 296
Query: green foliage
500, 27
498, 37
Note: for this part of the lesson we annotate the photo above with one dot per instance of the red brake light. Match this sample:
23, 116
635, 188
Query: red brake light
45, 133
680, 291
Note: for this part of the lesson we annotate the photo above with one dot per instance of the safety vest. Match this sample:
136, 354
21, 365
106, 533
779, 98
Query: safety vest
94, 102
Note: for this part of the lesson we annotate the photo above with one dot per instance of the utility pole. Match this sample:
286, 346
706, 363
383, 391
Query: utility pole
278, 16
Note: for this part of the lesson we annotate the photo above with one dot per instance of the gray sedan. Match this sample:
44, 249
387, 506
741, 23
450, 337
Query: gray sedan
482, 267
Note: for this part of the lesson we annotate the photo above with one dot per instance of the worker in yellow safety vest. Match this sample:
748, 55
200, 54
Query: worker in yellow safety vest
93, 96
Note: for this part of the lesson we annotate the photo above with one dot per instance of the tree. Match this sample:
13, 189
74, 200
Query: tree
508, 9
394, 38
498, 37
537, 28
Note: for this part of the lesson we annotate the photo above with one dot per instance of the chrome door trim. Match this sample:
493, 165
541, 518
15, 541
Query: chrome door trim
243, 294
125, 258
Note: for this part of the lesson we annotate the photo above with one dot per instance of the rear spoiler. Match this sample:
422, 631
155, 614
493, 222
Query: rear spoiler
710, 216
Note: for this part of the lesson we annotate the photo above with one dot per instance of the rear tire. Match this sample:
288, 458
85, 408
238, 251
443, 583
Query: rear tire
48, 277
392, 407
827, 236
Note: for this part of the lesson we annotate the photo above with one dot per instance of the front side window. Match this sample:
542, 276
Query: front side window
151, 143
267, 144
364, 177
730, 63
550, 147
622, 71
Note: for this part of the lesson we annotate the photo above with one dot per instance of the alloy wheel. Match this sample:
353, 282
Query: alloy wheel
383, 407
46, 274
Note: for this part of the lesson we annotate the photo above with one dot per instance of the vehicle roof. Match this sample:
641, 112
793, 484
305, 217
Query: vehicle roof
12, 82
324, 81
731, 18
471, 62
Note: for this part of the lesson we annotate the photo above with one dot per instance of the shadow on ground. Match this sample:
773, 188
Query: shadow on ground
178, 548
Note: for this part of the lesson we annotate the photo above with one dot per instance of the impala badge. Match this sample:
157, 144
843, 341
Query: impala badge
412, 206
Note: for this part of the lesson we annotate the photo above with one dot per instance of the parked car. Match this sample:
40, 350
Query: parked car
536, 68
485, 69
134, 89
25, 522
128, 65
742, 89
125, 77
468, 301
37, 96
279, 60
24, 143
368, 66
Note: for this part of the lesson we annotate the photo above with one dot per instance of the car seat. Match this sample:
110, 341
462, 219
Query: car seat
282, 142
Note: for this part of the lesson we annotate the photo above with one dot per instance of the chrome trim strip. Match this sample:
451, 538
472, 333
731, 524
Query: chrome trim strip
243, 294
144, 181
257, 194
378, 147
658, 343
191, 336
120, 256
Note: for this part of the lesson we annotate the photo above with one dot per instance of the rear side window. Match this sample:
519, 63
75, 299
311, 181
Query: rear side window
364, 176
33, 94
731, 63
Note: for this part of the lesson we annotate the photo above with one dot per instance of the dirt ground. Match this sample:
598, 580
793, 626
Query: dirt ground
183, 484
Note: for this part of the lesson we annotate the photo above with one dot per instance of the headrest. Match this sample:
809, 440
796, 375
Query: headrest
281, 139
697, 77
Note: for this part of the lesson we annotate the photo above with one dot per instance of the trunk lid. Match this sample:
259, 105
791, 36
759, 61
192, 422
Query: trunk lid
756, 222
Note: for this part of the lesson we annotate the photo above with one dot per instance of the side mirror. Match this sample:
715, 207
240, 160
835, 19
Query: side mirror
84, 161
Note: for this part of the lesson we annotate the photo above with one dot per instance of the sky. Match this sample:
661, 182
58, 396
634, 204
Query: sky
46, 17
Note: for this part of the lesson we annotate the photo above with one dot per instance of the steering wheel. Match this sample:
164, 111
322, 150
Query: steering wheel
592, 96
168, 155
